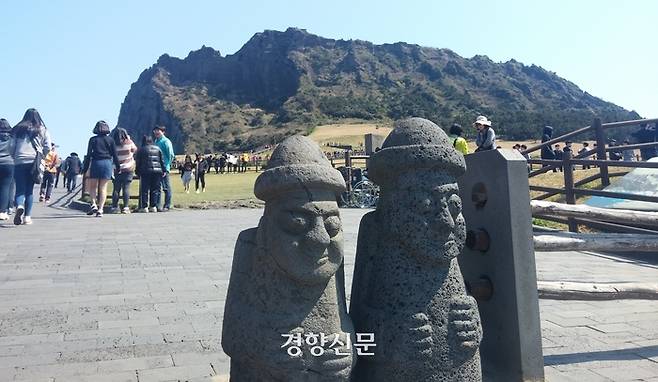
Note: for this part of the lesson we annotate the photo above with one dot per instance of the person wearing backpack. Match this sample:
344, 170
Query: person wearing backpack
101, 156
32, 145
458, 142
150, 169
7, 144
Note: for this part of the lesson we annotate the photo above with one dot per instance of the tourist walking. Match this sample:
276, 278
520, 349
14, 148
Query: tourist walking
167, 157
7, 144
49, 174
458, 142
186, 169
200, 173
150, 169
58, 172
126, 149
32, 144
73, 166
101, 155
486, 137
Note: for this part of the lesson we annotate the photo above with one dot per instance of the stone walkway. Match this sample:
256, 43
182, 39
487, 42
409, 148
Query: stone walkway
140, 298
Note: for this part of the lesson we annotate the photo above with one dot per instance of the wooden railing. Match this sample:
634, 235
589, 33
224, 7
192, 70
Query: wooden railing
572, 188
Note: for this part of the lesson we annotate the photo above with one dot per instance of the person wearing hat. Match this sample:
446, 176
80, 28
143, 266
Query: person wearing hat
407, 287
458, 142
7, 145
287, 276
486, 137
168, 156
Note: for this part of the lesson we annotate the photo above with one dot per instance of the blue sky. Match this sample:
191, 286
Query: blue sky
75, 60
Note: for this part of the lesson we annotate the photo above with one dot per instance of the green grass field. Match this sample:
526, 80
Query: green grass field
223, 190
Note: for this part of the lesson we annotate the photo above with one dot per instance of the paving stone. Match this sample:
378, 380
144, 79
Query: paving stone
110, 297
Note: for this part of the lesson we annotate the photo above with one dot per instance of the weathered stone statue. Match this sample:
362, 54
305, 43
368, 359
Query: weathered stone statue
287, 278
407, 287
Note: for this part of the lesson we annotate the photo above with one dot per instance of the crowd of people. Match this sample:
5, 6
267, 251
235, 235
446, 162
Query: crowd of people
29, 157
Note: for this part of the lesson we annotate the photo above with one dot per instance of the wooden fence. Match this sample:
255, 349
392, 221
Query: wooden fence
572, 188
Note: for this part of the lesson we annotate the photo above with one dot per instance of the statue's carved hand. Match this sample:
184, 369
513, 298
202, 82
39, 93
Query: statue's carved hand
421, 334
338, 366
465, 322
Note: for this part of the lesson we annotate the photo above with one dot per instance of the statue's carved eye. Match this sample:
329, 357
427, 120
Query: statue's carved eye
293, 222
454, 205
333, 225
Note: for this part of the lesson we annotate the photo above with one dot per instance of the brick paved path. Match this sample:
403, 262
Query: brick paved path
140, 298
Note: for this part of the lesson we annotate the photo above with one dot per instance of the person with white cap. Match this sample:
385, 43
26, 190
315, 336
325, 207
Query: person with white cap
486, 138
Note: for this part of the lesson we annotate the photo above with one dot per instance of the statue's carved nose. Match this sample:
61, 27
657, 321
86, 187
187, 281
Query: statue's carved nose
317, 238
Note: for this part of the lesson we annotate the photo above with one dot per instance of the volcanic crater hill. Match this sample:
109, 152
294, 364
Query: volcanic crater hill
281, 83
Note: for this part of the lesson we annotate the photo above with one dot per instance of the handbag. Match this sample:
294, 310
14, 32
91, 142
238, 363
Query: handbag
38, 166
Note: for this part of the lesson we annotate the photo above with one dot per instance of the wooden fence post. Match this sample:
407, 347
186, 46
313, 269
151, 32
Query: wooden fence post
600, 151
348, 165
568, 186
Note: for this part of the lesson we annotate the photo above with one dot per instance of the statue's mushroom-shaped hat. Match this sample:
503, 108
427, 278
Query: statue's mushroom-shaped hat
297, 163
415, 144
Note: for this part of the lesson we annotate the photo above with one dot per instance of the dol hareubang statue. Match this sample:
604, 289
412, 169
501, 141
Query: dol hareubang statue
407, 287
287, 275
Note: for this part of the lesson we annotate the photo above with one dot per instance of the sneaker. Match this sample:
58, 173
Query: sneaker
99, 214
143, 210
153, 209
197, 191
204, 190
164, 209
4, 216
27, 220
115, 210
187, 191
92, 210
41, 198
47, 201
18, 217
125, 210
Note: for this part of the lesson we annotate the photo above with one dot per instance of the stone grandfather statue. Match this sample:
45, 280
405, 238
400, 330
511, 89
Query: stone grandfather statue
287, 278
407, 287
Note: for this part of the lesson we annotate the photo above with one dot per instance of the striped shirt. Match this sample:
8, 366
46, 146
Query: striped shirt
125, 153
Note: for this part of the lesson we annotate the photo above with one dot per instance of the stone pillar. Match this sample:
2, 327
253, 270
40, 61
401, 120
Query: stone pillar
498, 264
287, 279
407, 287
373, 142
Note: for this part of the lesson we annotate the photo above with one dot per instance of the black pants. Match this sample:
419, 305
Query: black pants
149, 189
57, 177
71, 181
47, 184
200, 177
